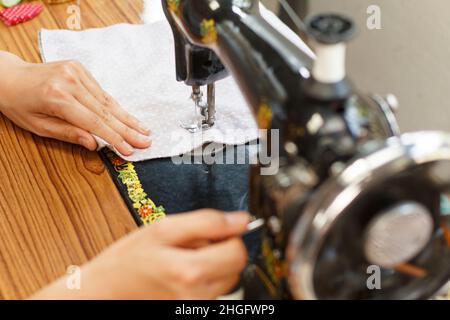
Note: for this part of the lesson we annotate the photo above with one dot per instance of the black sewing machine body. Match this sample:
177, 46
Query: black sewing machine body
335, 145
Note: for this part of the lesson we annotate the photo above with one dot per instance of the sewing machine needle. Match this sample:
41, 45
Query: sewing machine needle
195, 124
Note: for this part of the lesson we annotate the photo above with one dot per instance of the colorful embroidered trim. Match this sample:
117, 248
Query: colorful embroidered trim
146, 209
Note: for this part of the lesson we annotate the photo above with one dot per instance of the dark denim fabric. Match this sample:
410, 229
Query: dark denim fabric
188, 187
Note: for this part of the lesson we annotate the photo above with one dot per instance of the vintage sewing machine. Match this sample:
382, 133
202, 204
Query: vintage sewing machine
354, 211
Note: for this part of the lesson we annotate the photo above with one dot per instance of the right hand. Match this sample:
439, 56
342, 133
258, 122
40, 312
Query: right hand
190, 256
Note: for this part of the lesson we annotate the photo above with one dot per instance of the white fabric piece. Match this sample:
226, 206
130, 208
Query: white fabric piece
153, 11
136, 65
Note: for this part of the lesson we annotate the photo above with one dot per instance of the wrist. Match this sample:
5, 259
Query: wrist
99, 279
10, 66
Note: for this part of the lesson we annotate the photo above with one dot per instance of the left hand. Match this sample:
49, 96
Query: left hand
62, 100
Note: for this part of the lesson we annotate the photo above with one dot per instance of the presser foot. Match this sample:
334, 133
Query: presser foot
204, 120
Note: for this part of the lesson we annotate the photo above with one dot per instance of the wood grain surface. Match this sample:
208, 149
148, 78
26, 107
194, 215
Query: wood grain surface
58, 205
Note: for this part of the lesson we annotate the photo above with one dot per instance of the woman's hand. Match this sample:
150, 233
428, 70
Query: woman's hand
190, 256
63, 101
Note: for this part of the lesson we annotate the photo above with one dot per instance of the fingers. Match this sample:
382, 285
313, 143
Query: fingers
91, 122
211, 290
61, 130
95, 89
222, 287
193, 279
209, 225
133, 137
221, 260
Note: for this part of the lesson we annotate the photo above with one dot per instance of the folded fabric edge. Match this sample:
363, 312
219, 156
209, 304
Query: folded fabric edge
186, 151
41, 45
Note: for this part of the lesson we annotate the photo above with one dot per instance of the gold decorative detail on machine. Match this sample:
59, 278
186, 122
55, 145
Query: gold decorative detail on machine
146, 209
276, 267
173, 5
264, 116
208, 31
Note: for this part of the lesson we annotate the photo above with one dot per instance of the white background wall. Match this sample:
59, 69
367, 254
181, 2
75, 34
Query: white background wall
410, 56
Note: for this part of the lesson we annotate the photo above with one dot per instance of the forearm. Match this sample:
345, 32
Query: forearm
93, 286
58, 290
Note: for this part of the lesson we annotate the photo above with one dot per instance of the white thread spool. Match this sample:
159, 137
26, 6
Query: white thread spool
329, 66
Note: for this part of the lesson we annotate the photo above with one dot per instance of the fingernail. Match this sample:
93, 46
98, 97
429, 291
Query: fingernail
144, 128
144, 139
84, 142
128, 149
239, 218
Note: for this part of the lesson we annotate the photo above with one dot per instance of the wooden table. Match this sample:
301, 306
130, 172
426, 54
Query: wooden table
58, 205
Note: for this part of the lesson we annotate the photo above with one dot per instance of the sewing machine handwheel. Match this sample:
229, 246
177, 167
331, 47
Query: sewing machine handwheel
378, 230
